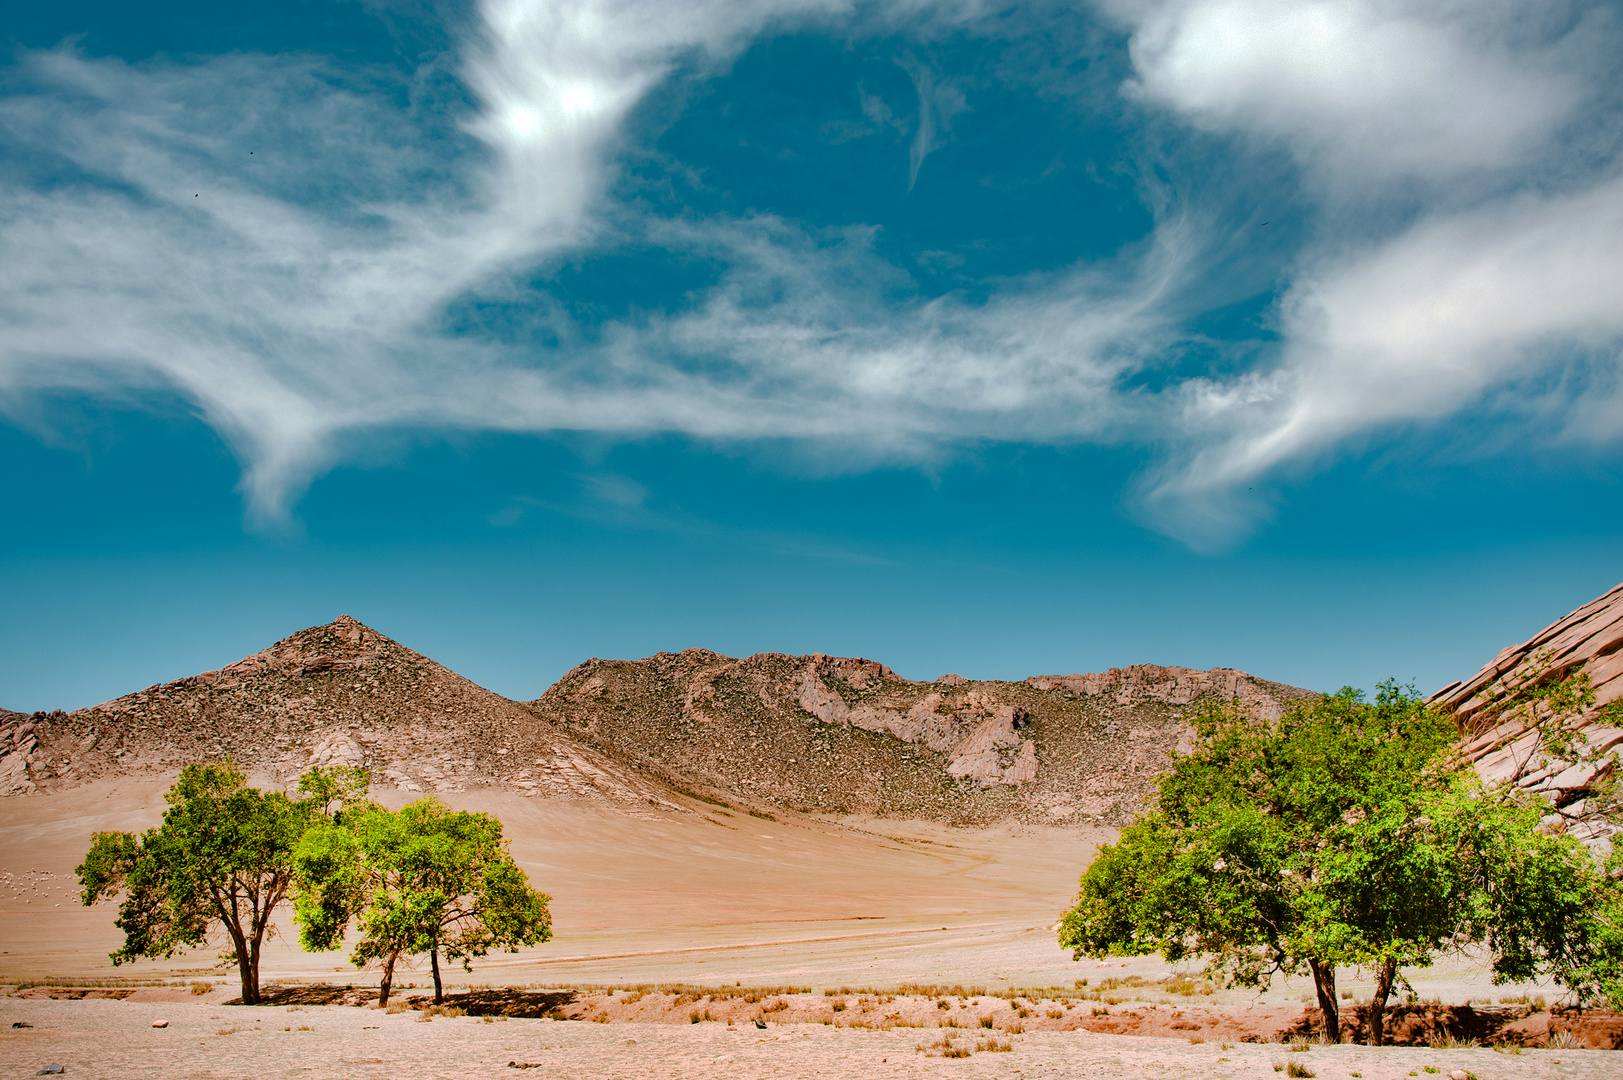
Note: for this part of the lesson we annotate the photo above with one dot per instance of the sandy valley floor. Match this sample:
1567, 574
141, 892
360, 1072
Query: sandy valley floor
712, 898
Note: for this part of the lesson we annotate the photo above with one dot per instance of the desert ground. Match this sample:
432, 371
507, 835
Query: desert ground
847, 910
113, 1039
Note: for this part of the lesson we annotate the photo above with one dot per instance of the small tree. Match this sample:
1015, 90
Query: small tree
223, 856
424, 879
1334, 836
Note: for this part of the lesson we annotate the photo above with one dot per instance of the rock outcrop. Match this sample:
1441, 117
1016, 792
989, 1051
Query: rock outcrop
19, 753
1140, 684
1507, 743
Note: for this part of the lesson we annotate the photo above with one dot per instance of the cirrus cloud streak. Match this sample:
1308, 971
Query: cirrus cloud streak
307, 293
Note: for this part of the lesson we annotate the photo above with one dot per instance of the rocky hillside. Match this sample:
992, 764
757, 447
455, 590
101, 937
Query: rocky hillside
340, 694
809, 733
1507, 743
844, 735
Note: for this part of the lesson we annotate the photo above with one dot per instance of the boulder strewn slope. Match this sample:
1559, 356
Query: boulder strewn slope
1505, 744
848, 735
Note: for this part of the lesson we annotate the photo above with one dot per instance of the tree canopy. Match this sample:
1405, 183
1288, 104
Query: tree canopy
1341, 835
423, 879
223, 856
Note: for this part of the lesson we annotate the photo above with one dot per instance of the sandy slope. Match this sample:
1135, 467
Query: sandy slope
654, 897
709, 898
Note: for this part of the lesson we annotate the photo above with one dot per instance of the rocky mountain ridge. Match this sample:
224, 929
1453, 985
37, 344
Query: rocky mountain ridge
849, 735
670, 732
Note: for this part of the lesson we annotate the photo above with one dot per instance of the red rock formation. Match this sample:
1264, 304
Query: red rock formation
1508, 745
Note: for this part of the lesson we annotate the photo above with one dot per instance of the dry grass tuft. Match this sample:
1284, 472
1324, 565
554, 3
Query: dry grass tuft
943, 1047
448, 1011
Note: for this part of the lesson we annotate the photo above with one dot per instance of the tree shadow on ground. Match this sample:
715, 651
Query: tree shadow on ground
523, 1004
314, 994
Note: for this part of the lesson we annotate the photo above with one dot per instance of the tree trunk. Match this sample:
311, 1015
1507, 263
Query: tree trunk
1324, 983
388, 980
253, 971
247, 970
248, 979
1384, 976
434, 962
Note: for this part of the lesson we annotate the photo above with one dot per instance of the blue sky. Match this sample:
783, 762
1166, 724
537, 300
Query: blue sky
998, 339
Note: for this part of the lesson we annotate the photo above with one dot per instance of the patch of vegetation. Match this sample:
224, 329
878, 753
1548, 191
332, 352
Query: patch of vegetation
222, 857
423, 879
1347, 833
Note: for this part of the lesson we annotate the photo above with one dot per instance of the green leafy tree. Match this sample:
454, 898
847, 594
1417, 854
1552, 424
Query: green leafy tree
223, 857
1337, 835
424, 879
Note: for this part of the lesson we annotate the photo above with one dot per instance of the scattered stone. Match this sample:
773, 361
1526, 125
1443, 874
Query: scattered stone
52, 1070
160, 1023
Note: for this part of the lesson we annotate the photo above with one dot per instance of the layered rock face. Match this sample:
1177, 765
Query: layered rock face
813, 733
1508, 744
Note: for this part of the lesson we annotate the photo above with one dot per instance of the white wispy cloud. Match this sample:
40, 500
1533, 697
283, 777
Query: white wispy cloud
1501, 267
1364, 91
1457, 312
939, 102
307, 293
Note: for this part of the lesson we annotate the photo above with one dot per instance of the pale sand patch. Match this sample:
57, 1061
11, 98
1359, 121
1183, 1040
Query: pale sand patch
115, 1039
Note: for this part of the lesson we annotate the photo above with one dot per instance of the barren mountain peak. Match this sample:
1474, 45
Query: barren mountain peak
336, 694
